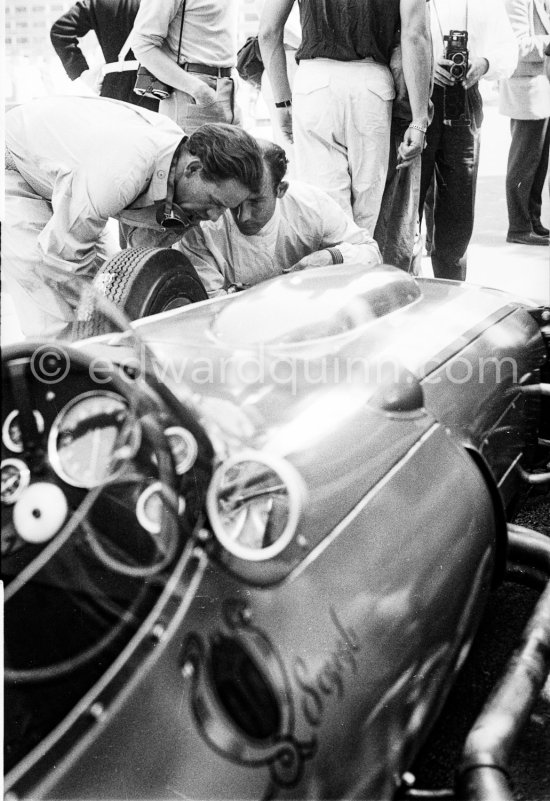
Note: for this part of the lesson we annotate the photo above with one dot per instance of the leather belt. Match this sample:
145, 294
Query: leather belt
206, 69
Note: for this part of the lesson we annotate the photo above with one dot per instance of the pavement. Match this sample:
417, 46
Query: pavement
521, 269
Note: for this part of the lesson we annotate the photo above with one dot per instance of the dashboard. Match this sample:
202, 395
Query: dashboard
102, 484
77, 436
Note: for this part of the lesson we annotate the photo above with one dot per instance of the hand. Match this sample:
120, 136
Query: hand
320, 258
414, 142
476, 70
204, 95
285, 122
442, 76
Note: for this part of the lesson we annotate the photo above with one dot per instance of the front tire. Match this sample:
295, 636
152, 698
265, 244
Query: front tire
144, 281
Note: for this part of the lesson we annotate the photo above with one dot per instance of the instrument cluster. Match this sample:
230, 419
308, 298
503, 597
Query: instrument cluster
77, 437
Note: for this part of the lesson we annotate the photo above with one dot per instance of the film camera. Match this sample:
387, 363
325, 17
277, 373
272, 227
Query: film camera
455, 103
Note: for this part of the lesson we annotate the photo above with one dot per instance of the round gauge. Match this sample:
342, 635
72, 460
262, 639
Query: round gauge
184, 448
11, 431
86, 435
15, 478
149, 508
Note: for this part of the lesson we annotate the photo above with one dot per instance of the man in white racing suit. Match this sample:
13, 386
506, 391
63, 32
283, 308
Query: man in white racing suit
285, 226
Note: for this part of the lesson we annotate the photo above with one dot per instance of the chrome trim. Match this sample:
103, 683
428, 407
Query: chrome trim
53, 453
24, 477
183, 465
291, 481
6, 436
146, 522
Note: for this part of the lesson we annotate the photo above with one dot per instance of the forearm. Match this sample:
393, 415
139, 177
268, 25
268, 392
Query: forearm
149, 43
270, 37
64, 36
367, 253
64, 252
416, 49
160, 62
342, 234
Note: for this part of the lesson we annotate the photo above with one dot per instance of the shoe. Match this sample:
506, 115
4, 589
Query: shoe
539, 228
528, 238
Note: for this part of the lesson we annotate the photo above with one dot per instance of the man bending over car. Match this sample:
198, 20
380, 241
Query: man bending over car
73, 162
283, 227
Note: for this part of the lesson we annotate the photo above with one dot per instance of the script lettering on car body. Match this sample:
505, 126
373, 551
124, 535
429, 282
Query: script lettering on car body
330, 678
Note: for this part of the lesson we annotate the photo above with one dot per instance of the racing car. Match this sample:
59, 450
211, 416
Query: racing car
247, 541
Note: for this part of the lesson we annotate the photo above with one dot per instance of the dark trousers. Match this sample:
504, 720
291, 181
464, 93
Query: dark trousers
451, 158
526, 173
398, 218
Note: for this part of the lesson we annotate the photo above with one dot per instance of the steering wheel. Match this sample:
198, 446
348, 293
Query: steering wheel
58, 565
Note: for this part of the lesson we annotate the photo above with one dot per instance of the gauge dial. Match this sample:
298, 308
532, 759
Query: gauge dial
11, 431
15, 477
150, 507
86, 436
184, 448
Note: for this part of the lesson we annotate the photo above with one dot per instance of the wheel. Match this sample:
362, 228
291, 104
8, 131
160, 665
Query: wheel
144, 281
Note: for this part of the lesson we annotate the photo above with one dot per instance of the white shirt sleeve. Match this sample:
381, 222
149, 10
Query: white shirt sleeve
152, 23
338, 230
82, 202
497, 41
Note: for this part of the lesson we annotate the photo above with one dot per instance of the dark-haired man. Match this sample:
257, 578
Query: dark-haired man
73, 162
285, 226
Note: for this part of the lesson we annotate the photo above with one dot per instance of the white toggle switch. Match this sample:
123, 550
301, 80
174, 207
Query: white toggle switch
40, 512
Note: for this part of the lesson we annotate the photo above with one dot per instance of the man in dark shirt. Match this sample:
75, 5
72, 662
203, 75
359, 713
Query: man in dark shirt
111, 21
340, 111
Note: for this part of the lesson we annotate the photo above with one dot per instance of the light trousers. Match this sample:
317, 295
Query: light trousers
341, 120
183, 108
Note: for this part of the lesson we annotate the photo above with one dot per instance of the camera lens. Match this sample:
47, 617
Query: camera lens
458, 58
457, 71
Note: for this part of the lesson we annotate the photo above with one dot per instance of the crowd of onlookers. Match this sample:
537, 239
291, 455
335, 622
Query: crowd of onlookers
376, 103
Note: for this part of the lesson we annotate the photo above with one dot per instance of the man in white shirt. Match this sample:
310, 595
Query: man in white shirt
451, 155
281, 228
191, 45
73, 162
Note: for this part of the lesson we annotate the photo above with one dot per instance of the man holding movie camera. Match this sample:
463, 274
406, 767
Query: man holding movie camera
471, 40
